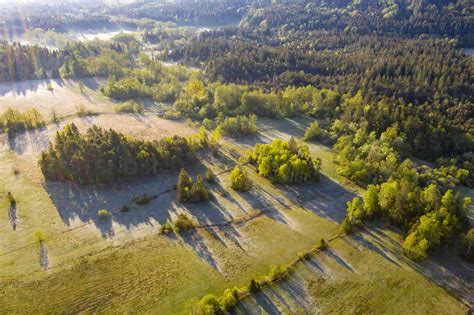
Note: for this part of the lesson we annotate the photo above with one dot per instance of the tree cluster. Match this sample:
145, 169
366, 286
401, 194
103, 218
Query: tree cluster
13, 121
284, 162
104, 156
187, 190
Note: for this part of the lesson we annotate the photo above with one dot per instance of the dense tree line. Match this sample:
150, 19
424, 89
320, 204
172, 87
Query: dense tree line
104, 156
23, 62
284, 162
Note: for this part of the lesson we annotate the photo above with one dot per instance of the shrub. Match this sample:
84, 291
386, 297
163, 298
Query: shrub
141, 200
277, 273
240, 180
322, 244
103, 213
254, 286
208, 305
229, 299
49, 87
312, 132
183, 223
346, 226
167, 228
210, 178
39, 236
16, 171
82, 111
198, 191
129, 107
125, 208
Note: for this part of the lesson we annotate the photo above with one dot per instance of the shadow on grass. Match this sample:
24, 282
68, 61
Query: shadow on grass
21, 88
326, 198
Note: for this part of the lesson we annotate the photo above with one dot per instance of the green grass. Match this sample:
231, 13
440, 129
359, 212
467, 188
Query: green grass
166, 275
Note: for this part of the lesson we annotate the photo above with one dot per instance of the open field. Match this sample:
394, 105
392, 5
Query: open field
89, 264
64, 98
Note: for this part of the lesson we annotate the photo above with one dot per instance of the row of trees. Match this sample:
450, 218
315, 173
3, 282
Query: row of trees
12, 121
284, 161
104, 156
198, 101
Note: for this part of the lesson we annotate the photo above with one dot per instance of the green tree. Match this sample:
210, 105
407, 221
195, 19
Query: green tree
240, 180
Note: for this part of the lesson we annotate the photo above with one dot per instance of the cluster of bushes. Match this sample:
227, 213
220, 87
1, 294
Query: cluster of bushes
103, 156
12, 121
129, 107
239, 126
284, 161
189, 190
181, 224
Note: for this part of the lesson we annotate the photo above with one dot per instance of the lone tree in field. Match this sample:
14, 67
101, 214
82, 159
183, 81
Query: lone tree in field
240, 180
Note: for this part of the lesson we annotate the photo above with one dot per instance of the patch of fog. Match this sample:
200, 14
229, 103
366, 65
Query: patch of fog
105, 35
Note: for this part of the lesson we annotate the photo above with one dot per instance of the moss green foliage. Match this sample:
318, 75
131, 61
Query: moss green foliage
210, 304
102, 156
239, 126
182, 223
39, 236
210, 177
12, 121
124, 208
313, 132
103, 213
285, 162
82, 111
466, 246
142, 199
239, 179
129, 107
187, 190
200, 140
167, 227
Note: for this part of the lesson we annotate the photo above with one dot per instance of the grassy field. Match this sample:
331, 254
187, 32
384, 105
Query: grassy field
124, 263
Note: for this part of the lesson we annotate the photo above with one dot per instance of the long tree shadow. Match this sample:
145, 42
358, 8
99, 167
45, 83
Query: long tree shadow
369, 244
325, 197
448, 270
197, 243
330, 253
